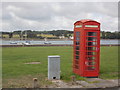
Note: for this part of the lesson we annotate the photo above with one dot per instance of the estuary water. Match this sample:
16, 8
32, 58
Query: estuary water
33, 42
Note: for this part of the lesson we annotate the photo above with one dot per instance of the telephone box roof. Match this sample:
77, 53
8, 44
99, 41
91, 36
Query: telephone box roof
85, 20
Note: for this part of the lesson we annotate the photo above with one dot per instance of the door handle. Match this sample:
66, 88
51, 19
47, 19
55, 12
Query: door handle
97, 49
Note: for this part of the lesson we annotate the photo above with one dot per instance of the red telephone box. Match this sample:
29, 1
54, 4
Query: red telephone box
86, 48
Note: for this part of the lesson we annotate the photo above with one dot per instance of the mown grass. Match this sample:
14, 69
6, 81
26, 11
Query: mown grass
109, 66
13, 60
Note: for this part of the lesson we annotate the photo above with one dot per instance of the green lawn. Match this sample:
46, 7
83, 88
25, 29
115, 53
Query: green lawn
13, 60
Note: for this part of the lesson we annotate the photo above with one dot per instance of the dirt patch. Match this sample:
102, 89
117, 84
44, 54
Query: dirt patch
26, 82
62, 84
33, 63
42, 82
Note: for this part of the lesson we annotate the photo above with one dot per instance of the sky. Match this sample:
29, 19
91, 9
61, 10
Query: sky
40, 16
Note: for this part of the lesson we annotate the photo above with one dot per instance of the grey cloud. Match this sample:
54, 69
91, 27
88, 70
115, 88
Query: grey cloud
29, 11
58, 15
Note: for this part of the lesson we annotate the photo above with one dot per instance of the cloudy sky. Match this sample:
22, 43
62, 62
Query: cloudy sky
57, 15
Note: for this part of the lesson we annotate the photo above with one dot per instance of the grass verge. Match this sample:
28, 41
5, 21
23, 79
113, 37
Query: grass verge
15, 69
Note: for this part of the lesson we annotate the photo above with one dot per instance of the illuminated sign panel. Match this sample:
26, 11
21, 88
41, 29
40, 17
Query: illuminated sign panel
77, 26
94, 26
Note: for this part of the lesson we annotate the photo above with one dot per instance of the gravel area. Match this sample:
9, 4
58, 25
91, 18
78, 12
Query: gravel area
89, 83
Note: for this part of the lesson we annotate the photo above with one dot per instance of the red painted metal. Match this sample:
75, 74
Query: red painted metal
86, 47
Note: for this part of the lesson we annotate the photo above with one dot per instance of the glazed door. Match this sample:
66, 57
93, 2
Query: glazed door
92, 45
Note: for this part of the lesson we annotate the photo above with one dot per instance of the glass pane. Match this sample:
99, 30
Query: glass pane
77, 47
77, 35
76, 66
91, 48
77, 42
76, 62
91, 63
91, 34
91, 53
77, 52
77, 38
91, 68
91, 38
91, 43
93, 58
90, 58
77, 57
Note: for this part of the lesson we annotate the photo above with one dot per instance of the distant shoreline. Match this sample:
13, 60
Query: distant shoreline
34, 39
40, 45
47, 39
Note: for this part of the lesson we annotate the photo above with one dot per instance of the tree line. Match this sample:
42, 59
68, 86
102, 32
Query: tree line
110, 35
57, 33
